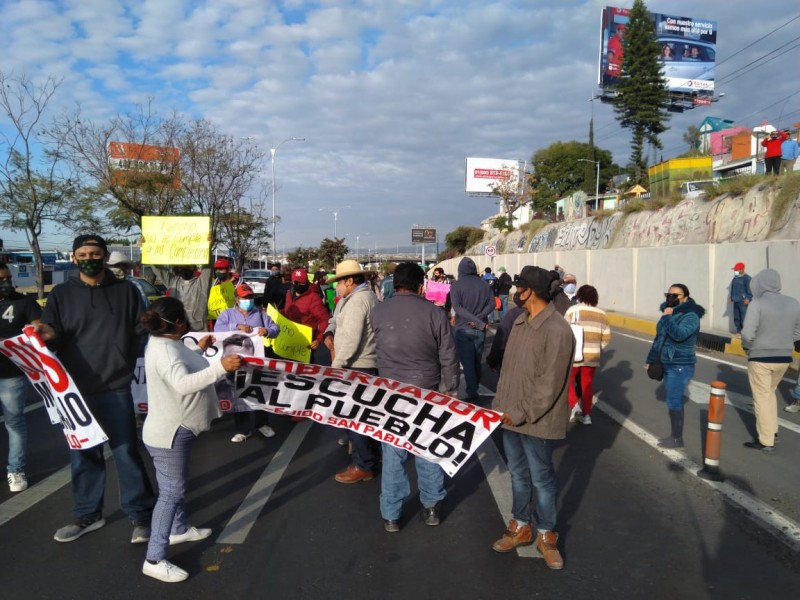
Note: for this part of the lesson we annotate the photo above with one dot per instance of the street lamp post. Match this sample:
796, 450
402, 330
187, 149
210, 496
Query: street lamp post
335, 214
358, 239
272, 152
597, 181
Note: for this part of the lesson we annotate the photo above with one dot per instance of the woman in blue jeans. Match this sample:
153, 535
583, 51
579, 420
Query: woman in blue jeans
676, 334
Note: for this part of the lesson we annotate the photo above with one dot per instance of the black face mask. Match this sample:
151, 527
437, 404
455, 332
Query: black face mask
220, 275
186, 274
6, 288
672, 300
300, 288
518, 300
91, 266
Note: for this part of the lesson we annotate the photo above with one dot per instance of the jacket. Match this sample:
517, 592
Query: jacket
353, 338
596, 332
471, 298
676, 334
772, 322
180, 391
192, 292
98, 336
414, 343
537, 364
740, 289
308, 309
773, 147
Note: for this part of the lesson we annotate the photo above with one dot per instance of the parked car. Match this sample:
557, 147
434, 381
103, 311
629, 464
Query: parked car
256, 279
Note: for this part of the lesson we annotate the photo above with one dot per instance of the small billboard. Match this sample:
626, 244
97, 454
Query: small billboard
483, 175
137, 164
687, 49
423, 235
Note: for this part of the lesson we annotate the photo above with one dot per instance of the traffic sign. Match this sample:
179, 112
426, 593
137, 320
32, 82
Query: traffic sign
490, 250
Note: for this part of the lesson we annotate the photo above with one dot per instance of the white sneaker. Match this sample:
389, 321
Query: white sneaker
586, 419
266, 431
192, 534
576, 414
164, 570
17, 482
240, 437
793, 407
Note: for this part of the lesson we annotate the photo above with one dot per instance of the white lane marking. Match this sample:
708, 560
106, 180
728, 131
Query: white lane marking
245, 517
780, 526
29, 408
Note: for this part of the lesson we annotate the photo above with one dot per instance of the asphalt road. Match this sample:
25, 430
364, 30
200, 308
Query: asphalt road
634, 522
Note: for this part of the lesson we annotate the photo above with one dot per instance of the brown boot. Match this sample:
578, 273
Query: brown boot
353, 474
546, 544
514, 536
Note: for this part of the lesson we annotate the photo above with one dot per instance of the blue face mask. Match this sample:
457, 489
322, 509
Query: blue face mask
246, 304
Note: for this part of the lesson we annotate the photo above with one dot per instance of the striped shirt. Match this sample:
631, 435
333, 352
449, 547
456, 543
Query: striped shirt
596, 331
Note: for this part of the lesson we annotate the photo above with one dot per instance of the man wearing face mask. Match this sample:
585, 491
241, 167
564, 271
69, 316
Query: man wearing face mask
222, 295
17, 311
191, 288
570, 287
304, 305
92, 323
120, 265
739, 296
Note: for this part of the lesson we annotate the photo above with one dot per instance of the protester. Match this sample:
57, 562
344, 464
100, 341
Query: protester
532, 396
472, 301
303, 304
415, 346
495, 357
181, 403
739, 296
491, 280
504, 285
92, 323
596, 336
248, 318
274, 290
570, 287
771, 329
676, 334
191, 288
17, 311
772, 153
789, 153
222, 292
559, 299
353, 347
122, 267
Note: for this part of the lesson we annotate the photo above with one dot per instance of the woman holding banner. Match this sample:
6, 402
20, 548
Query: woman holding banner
181, 404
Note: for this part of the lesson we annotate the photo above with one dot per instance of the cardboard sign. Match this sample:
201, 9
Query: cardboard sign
176, 240
294, 339
220, 297
436, 292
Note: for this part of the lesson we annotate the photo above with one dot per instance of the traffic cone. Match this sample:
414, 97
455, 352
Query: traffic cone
716, 413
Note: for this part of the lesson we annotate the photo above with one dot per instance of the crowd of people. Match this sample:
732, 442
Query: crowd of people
547, 346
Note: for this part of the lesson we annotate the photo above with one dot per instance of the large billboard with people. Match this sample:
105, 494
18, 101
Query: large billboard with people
687, 49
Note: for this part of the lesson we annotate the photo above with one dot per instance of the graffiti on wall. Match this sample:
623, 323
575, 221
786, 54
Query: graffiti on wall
682, 224
585, 234
740, 219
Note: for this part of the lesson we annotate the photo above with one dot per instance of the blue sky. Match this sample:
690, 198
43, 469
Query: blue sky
391, 95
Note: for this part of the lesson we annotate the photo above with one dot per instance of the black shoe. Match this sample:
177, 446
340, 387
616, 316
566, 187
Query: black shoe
430, 515
756, 445
391, 526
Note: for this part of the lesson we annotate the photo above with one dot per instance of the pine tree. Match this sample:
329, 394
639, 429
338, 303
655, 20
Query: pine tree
642, 95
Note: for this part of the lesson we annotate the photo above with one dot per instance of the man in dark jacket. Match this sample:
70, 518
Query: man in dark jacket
532, 395
303, 304
92, 323
504, 285
415, 346
473, 301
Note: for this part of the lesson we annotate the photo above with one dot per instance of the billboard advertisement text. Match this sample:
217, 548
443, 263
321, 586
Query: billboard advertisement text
483, 175
137, 164
423, 235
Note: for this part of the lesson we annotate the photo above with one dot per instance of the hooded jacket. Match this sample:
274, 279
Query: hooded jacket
676, 334
98, 336
471, 298
772, 322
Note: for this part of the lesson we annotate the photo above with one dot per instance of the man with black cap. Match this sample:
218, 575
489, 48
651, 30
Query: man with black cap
92, 323
532, 395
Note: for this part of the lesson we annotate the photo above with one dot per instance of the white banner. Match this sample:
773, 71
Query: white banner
55, 386
439, 428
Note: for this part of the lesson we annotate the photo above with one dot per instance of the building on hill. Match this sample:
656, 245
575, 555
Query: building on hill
708, 127
667, 176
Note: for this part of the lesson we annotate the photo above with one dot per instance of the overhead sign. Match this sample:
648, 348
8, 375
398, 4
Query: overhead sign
484, 175
133, 165
423, 235
176, 240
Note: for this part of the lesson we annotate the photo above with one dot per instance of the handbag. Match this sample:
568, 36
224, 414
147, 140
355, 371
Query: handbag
655, 370
577, 331
497, 303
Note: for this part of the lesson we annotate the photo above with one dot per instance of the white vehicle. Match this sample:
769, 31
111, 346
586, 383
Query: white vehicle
256, 279
695, 189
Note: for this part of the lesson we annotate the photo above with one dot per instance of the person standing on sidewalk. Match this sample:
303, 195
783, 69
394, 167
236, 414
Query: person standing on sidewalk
532, 396
740, 295
92, 323
415, 346
17, 311
771, 328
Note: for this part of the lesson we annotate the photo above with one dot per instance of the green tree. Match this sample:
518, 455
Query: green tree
558, 171
642, 96
692, 139
332, 251
302, 257
463, 237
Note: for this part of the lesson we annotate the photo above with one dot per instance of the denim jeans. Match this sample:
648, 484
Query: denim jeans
13, 393
676, 378
395, 486
469, 343
113, 410
503, 306
530, 462
172, 472
796, 390
739, 311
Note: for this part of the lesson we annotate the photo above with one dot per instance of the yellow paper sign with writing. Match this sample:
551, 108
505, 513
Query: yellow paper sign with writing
175, 240
293, 341
220, 297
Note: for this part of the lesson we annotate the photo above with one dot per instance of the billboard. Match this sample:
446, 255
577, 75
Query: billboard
687, 49
485, 174
137, 164
423, 235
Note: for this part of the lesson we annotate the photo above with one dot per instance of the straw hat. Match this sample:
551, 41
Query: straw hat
348, 268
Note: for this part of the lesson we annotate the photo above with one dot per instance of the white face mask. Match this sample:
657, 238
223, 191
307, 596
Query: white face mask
570, 288
118, 273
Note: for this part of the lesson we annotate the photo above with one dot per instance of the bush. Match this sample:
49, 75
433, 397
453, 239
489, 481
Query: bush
790, 190
739, 186
634, 206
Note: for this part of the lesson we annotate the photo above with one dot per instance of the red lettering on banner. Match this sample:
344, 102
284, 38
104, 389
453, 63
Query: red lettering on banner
386, 383
487, 416
304, 369
437, 398
360, 377
337, 373
412, 391
368, 429
32, 367
141, 408
225, 405
54, 368
460, 408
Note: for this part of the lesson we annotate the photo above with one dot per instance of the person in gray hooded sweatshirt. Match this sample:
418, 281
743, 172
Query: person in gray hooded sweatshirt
473, 301
771, 326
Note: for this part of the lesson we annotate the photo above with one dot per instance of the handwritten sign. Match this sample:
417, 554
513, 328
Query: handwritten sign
293, 340
220, 297
436, 292
175, 240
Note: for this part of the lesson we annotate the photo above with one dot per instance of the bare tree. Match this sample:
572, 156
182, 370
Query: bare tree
244, 230
36, 184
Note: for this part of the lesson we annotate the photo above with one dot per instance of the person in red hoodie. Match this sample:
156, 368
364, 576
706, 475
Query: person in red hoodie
304, 305
772, 154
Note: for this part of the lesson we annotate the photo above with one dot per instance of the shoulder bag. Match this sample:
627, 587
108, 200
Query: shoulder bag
577, 331
655, 370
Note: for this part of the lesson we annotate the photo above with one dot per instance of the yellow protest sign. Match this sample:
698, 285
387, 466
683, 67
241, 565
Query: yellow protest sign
220, 297
293, 341
175, 240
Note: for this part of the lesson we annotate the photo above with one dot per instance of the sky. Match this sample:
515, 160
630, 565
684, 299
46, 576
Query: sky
391, 96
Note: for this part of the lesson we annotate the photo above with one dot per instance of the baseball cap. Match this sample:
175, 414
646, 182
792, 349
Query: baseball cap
89, 240
536, 279
222, 263
118, 258
738, 267
300, 276
244, 290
